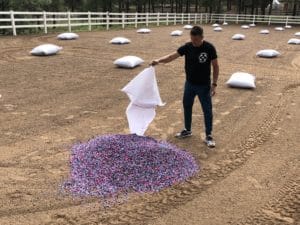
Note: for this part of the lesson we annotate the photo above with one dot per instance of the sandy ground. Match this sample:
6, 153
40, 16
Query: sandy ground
50, 103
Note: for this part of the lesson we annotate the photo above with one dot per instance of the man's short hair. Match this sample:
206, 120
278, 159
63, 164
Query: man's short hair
197, 31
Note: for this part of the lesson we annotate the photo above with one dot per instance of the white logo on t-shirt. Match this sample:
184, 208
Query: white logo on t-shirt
203, 57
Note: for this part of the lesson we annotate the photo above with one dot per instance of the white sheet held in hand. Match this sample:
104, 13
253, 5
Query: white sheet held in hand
241, 80
144, 98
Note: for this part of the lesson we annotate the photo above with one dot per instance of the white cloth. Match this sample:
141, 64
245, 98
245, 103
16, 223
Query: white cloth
144, 97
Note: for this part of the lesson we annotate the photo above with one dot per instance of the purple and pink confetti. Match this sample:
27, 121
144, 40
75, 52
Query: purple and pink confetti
110, 165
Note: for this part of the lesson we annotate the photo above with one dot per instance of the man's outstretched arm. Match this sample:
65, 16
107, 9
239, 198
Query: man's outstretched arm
165, 59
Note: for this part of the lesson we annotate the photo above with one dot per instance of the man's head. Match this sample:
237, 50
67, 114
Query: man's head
196, 35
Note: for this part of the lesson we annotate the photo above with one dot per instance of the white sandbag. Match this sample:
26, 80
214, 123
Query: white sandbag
144, 31
297, 34
45, 49
144, 98
245, 27
294, 41
264, 32
176, 33
252, 25
288, 26
279, 28
241, 80
238, 37
119, 40
188, 27
218, 29
225, 23
128, 61
268, 53
67, 36
215, 25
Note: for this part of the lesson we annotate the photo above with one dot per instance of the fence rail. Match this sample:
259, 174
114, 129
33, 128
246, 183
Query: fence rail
13, 21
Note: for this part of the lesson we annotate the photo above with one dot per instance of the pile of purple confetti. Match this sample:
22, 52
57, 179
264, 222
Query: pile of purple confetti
110, 165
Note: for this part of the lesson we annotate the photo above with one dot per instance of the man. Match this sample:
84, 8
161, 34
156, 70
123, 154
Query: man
199, 56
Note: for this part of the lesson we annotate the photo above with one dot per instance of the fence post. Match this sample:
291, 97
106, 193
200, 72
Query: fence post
13, 25
69, 21
147, 19
136, 19
195, 18
269, 20
211, 18
175, 19
189, 18
45, 22
206, 18
158, 15
182, 18
253, 19
200, 18
89, 21
107, 20
123, 20
287, 21
167, 18
237, 19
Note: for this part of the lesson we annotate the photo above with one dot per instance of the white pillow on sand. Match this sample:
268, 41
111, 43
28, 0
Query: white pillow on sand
268, 53
218, 29
279, 28
128, 61
241, 80
264, 32
215, 25
252, 25
176, 33
294, 41
225, 23
45, 49
119, 40
238, 37
188, 27
297, 34
144, 31
245, 27
288, 26
68, 36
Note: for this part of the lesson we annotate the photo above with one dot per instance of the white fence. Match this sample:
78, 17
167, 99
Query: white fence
43, 20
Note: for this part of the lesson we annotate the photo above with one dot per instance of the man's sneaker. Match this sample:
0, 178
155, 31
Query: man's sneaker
210, 142
183, 134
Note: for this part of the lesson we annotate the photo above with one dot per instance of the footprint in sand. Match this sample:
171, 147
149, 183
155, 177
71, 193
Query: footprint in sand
19, 113
216, 100
225, 113
179, 111
10, 107
254, 182
216, 122
170, 130
175, 123
70, 117
47, 114
258, 103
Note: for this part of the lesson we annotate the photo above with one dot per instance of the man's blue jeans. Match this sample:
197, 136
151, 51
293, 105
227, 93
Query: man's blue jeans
204, 96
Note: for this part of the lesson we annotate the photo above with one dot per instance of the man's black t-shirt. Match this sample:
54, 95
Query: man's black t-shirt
198, 62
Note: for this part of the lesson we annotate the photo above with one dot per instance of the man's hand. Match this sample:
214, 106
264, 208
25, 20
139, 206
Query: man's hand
154, 62
213, 90
165, 59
